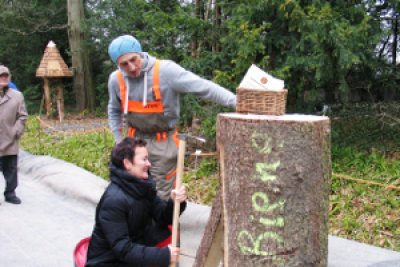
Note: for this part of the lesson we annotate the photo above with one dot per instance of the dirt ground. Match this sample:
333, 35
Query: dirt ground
73, 124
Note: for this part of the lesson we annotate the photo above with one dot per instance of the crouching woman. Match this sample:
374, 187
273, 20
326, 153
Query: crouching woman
132, 222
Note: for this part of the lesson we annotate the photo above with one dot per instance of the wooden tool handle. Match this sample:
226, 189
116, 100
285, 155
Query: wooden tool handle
178, 183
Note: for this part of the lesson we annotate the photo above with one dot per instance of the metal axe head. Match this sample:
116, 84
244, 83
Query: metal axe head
185, 136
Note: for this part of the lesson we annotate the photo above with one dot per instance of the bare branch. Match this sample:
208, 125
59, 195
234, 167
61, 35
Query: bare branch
37, 29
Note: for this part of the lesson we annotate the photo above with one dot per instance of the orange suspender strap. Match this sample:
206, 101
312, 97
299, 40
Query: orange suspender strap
131, 131
173, 173
170, 175
137, 106
122, 92
175, 138
161, 136
122, 89
156, 81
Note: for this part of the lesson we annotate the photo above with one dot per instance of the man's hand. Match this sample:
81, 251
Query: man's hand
179, 194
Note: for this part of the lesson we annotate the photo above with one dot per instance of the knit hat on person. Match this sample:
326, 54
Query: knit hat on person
122, 45
4, 69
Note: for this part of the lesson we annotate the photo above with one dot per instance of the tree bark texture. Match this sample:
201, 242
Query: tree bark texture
275, 189
83, 84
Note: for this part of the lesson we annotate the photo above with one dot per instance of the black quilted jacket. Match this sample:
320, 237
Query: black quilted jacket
130, 220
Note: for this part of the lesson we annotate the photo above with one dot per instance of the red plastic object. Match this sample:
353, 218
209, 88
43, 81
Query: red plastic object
167, 241
80, 252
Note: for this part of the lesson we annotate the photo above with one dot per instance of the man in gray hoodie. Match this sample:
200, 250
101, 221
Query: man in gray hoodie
144, 99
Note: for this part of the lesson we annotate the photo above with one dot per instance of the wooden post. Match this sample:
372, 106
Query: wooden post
276, 183
210, 251
47, 97
60, 100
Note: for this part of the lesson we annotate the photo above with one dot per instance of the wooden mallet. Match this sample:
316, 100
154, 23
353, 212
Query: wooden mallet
178, 182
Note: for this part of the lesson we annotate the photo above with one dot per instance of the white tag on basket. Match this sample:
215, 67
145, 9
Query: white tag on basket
258, 79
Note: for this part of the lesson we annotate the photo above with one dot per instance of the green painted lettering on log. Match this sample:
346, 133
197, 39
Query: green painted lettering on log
265, 207
266, 172
255, 248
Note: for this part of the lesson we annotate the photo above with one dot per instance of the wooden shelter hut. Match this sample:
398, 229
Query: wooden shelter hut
52, 68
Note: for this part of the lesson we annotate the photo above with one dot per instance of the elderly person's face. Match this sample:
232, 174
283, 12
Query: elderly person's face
140, 165
4, 79
131, 63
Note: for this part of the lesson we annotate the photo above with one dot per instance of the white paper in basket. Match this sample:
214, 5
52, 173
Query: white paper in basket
258, 79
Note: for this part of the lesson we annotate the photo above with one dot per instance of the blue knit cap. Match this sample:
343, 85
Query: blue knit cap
122, 45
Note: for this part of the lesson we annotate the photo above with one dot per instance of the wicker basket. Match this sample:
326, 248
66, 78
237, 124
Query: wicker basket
261, 102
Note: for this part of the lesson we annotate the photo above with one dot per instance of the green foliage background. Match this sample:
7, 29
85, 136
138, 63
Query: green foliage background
326, 51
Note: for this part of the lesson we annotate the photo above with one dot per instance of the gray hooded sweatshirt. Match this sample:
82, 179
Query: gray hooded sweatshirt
174, 80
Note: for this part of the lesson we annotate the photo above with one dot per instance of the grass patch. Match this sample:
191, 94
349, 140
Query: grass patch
90, 151
365, 143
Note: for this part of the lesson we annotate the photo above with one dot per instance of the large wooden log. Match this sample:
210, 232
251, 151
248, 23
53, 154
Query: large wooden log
275, 189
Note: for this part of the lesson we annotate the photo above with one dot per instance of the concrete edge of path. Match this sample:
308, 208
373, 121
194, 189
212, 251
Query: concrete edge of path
64, 178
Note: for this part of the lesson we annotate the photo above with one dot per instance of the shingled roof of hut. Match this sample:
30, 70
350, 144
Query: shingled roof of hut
52, 64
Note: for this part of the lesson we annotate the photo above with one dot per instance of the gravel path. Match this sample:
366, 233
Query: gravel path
70, 126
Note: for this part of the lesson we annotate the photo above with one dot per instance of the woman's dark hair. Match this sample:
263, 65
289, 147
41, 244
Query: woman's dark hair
125, 150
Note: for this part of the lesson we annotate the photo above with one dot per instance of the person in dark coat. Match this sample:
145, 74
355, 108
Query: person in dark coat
13, 116
132, 222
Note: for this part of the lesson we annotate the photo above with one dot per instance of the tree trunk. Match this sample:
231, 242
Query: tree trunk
197, 14
205, 18
395, 36
275, 189
83, 84
217, 28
